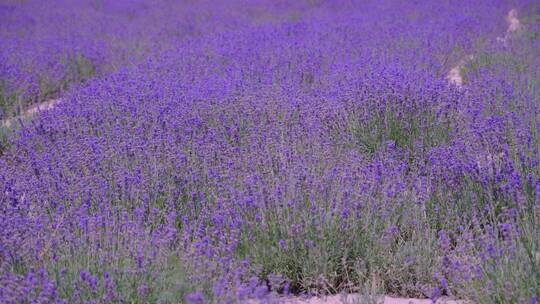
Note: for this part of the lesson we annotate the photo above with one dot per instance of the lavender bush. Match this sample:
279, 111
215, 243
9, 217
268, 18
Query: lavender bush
255, 149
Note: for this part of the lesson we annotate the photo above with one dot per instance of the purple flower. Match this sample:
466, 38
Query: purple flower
83, 275
195, 298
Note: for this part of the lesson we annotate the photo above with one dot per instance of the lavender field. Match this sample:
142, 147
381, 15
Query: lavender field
269, 151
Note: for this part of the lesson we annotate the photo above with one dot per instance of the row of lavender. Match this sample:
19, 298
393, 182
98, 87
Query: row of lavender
49, 45
317, 154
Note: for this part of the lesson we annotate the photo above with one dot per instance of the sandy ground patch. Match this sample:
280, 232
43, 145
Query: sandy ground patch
355, 299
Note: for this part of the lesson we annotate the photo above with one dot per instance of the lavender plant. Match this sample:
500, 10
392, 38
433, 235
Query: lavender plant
268, 149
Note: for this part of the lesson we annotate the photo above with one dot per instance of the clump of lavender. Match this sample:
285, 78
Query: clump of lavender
276, 149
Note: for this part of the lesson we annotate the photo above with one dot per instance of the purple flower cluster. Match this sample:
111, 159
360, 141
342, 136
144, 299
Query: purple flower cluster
48, 46
217, 153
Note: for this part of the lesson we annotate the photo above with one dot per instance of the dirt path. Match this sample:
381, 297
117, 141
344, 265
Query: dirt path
454, 75
44, 106
354, 299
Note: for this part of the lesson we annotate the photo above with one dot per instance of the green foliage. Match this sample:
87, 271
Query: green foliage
412, 130
4, 142
164, 282
77, 70
330, 253
515, 276
487, 59
8, 101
